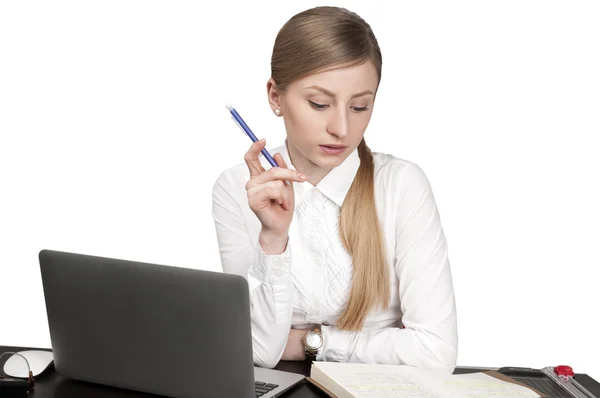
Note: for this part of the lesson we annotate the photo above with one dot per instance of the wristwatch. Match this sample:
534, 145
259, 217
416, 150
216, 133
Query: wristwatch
313, 341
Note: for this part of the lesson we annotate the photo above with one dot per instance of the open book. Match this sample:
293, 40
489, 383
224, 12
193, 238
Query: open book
350, 380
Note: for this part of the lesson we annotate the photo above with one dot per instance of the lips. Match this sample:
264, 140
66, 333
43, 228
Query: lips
333, 149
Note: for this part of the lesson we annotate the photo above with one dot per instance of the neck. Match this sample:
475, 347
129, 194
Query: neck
313, 172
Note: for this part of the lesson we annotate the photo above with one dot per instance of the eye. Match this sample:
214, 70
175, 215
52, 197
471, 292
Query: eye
357, 109
317, 106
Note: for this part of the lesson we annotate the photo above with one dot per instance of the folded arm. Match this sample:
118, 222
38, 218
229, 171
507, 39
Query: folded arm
429, 337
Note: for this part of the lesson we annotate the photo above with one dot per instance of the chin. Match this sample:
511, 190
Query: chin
327, 161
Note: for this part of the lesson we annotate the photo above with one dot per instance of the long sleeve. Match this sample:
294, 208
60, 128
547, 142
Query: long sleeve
269, 276
429, 337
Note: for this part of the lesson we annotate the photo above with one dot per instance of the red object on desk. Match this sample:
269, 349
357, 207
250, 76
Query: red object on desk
564, 371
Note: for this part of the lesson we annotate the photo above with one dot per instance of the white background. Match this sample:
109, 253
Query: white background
113, 130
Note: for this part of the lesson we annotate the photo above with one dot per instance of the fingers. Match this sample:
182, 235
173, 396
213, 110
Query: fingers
251, 158
272, 190
279, 173
279, 159
258, 175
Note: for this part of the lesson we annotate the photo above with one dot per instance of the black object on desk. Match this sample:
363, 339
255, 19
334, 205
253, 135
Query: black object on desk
13, 388
153, 328
52, 385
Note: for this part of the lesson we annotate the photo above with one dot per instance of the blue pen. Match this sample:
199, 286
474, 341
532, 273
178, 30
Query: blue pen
238, 119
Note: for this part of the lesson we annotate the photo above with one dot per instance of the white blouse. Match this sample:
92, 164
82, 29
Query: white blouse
309, 283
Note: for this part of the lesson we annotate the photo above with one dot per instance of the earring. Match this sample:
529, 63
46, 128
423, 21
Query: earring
277, 112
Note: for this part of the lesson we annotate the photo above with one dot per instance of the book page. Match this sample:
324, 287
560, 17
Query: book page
390, 381
469, 385
371, 381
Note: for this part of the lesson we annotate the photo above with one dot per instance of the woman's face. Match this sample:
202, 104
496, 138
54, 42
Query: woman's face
326, 114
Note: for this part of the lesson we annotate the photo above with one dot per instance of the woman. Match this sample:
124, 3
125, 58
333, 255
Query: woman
343, 248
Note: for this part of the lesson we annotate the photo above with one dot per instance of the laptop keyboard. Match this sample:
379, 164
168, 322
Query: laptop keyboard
262, 388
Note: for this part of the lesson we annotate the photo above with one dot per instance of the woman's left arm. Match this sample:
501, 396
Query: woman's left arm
429, 338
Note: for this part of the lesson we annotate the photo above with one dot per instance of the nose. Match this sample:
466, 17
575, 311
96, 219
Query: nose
338, 124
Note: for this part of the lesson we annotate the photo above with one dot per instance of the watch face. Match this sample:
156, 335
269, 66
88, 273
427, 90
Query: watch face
313, 340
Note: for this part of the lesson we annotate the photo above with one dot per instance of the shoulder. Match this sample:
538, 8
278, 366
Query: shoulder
402, 188
231, 182
398, 173
232, 174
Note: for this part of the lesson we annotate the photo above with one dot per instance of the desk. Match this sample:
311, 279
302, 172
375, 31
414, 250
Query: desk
52, 385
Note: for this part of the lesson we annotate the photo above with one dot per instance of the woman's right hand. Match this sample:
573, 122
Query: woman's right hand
271, 195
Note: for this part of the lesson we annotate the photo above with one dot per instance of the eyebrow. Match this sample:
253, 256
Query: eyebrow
329, 93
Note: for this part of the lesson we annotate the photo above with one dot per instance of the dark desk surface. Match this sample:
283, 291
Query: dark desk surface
52, 385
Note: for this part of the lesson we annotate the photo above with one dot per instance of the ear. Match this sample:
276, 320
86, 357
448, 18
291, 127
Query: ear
273, 96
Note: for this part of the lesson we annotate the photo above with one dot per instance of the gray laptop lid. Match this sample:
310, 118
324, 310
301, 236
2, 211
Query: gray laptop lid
146, 327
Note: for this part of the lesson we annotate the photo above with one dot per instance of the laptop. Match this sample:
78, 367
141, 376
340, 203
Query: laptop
153, 328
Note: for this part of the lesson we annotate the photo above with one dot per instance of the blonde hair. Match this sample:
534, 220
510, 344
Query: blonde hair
315, 40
